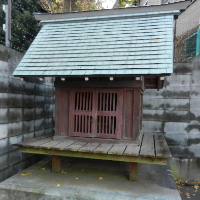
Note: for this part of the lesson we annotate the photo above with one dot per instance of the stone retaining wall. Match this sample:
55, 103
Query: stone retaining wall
175, 109
26, 111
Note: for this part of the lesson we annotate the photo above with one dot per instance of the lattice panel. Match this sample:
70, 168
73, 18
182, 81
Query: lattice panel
95, 113
82, 124
106, 125
83, 101
107, 101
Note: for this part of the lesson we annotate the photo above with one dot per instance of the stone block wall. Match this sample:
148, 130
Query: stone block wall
26, 111
175, 109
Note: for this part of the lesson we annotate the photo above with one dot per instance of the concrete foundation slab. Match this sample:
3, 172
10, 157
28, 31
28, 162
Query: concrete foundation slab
85, 179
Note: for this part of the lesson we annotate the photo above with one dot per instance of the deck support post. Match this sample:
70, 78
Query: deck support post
56, 163
133, 171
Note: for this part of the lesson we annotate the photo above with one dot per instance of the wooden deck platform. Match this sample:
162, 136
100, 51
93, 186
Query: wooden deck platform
153, 150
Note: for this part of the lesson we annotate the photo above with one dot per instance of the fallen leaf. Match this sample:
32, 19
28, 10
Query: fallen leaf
188, 197
58, 185
193, 194
82, 170
25, 174
156, 40
100, 178
76, 178
64, 172
187, 188
42, 168
196, 187
187, 194
156, 198
10, 183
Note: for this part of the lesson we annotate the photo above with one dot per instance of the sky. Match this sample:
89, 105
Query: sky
107, 4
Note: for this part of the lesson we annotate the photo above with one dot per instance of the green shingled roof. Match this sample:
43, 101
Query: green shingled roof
125, 44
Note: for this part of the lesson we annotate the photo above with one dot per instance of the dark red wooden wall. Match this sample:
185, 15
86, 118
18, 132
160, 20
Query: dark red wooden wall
99, 109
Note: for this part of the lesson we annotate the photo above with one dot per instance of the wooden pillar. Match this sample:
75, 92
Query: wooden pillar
133, 171
56, 163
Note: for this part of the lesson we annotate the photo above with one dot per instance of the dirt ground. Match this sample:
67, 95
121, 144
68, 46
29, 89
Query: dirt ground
188, 189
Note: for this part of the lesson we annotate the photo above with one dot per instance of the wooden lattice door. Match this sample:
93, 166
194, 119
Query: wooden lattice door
109, 113
96, 113
81, 113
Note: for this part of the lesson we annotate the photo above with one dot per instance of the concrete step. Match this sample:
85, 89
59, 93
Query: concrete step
87, 179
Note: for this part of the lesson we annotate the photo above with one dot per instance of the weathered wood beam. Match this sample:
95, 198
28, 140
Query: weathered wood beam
133, 171
56, 163
122, 158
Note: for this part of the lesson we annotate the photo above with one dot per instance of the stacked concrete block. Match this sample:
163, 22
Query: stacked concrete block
175, 109
26, 111
194, 127
187, 169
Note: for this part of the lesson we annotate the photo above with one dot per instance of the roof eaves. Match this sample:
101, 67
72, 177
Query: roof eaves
117, 11
146, 14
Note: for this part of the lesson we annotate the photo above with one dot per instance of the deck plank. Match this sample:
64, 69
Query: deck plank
103, 148
161, 147
117, 149
39, 142
24, 143
152, 146
75, 146
147, 146
63, 144
94, 156
48, 145
90, 147
132, 150
95, 140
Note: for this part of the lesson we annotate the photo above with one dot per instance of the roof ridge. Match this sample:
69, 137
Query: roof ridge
144, 14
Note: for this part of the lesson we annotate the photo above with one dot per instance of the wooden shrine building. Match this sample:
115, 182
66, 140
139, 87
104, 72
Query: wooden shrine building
102, 62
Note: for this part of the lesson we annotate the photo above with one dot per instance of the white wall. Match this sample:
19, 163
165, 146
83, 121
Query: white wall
189, 19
